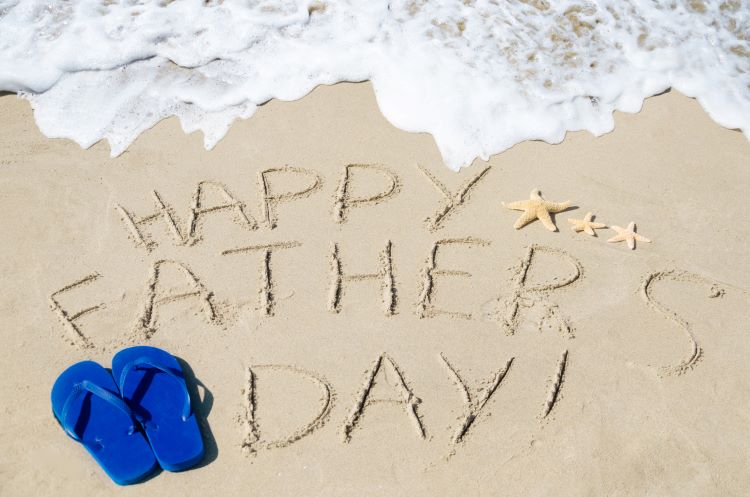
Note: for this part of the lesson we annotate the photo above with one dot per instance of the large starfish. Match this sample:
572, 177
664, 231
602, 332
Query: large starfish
628, 235
586, 224
536, 208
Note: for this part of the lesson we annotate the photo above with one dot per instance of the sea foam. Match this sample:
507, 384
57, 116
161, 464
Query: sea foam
479, 75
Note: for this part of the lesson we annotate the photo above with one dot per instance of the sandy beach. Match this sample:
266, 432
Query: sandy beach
357, 319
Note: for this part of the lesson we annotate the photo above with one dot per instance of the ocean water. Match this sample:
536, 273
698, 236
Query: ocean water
479, 75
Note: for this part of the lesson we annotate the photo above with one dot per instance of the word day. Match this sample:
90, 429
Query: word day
401, 396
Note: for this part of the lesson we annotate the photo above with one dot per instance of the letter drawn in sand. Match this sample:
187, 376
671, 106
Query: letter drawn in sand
646, 293
525, 295
134, 224
473, 406
75, 336
452, 200
426, 306
266, 290
271, 199
230, 203
406, 399
557, 382
384, 275
344, 199
252, 441
156, 297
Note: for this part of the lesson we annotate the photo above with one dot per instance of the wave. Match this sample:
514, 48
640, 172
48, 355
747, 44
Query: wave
479, 75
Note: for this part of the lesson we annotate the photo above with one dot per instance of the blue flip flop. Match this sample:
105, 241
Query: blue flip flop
152, 383
87, 404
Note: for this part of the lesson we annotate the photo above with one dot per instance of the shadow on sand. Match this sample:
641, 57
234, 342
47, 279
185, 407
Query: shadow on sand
202, 407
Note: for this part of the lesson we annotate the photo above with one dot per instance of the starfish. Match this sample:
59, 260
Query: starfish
586, 224
628, 235
536, 208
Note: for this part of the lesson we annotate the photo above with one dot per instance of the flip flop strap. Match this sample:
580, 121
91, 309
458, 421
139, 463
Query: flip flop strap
145, 363
86, 387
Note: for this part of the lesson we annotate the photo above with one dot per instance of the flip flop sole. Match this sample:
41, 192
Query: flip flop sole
159, 399
103, 429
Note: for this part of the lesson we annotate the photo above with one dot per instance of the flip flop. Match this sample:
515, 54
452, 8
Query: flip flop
152, 383
87, 404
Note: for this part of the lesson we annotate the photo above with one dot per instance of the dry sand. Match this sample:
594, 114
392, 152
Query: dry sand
473, 359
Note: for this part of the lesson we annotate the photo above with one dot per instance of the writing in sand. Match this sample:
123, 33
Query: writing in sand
167, 281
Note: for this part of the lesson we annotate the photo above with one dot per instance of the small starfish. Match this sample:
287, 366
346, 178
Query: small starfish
628, 235
586, 224
536, 208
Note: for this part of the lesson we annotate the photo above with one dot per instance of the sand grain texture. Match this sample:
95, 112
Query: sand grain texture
381, 328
